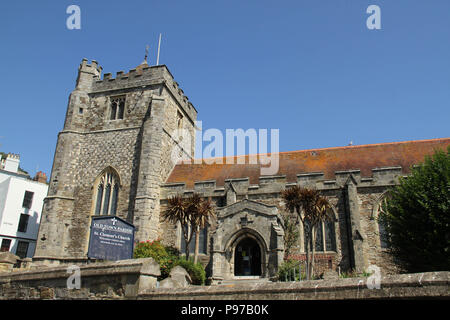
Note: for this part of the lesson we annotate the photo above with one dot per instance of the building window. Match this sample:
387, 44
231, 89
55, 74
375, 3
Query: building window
22, 249
23, 223
202, 243
107, 193
114, 199
6, 243
179, 120
221, 201
384, 236
330, 236
106, 199
325, 236
98, 205
117, 108
384, 239
27, 199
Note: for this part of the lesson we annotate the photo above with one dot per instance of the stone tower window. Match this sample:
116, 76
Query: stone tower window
179, 120
117, 108
107, 192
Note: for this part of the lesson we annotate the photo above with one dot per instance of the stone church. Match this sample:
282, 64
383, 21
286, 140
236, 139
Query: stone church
114, 158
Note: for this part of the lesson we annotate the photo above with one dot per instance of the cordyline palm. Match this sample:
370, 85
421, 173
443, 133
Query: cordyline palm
202, 211
192, 213
177, 211
312, 209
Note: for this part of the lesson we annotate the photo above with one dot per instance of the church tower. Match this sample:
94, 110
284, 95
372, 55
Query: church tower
118, 145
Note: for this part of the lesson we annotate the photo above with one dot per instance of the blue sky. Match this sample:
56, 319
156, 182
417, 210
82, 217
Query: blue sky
311, 69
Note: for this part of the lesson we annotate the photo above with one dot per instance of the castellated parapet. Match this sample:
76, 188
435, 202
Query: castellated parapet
381, 177
145, 75
121, 127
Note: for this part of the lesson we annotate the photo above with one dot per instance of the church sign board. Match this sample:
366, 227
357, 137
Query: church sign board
111, 238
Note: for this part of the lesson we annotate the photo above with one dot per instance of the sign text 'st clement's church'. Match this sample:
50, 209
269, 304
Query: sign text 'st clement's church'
111, 239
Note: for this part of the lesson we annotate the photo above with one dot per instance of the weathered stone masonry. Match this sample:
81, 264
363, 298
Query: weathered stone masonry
137, 147
357, 244
355, 195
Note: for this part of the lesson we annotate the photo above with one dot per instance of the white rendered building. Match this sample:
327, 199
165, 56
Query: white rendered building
21, 201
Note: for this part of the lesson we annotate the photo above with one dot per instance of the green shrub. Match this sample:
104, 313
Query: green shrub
416, 216
196, 271
169, 257
286, 271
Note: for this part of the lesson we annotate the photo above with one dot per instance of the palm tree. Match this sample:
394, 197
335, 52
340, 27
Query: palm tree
312, 209
178, 211
321, 214
192, 213
202, 212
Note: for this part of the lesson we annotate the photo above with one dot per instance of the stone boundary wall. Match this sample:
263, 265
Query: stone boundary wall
109, 280
433, 285
137, 279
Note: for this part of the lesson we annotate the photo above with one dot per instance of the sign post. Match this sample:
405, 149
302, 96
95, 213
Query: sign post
111, 238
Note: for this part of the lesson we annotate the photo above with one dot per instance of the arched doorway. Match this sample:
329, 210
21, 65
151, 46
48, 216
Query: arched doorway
247, 258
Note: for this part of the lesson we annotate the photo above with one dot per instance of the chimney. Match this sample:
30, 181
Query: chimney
40, 177
12, 162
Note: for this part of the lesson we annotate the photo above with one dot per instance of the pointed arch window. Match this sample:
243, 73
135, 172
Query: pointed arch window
202, 241
107, 189
114, 199
325, 236
98, 204
384, 235
117, 108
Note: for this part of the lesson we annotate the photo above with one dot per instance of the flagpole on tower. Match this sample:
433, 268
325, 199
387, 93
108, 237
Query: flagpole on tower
146, 55
159, 46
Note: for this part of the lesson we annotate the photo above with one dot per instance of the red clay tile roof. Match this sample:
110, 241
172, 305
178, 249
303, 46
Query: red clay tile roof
328, 160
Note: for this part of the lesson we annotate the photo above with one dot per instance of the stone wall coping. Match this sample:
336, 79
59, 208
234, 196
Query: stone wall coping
237, 179
387, 168
144, 266
272, 177
347, 171
173, 184
310, 174
313, 286
204, 181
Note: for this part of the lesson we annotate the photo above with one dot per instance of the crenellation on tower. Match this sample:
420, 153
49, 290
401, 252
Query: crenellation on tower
124, 123
158, 77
